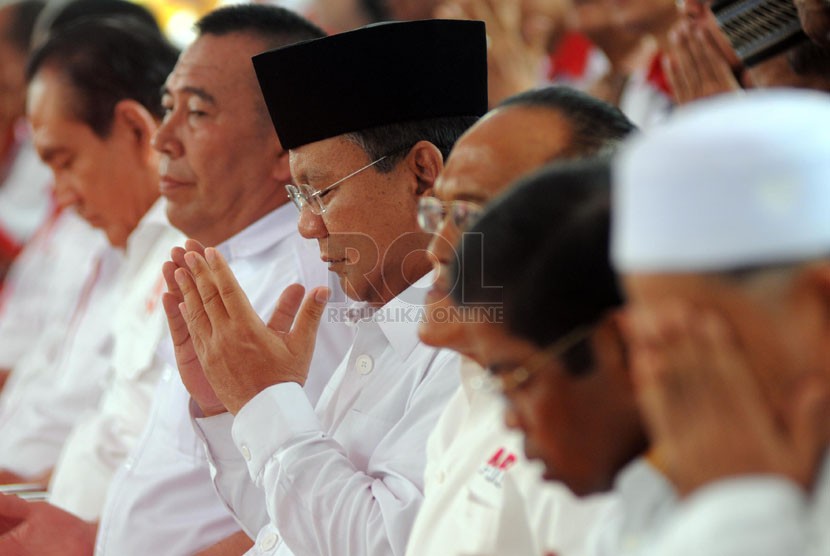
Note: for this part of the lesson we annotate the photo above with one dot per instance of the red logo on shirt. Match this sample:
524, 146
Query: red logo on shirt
494, 469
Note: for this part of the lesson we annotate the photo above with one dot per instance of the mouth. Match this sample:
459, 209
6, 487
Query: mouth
168, 184
331, 261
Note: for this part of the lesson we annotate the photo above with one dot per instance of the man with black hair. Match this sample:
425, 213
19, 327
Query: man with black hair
223, 176
221, 170
94, 105
557, 358
470, 449
343, 477
93, 102
62, 12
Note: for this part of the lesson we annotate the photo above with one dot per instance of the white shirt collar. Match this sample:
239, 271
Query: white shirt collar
263, 234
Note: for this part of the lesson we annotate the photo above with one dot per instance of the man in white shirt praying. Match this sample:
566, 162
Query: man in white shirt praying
368, 118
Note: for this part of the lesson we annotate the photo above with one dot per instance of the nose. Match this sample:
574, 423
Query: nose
442, 245
65, 195
165, 139
311, 226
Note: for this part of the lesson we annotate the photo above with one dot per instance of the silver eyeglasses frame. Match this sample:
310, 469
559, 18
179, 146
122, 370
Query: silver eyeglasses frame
303, 195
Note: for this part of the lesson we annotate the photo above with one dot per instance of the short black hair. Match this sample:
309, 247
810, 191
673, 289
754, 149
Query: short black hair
21, 24
542, 252
274, 25
106, 61
596, 126
395, 140
61, 13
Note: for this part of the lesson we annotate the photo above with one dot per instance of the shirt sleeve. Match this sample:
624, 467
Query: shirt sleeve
761, 516
229, 471
322, 502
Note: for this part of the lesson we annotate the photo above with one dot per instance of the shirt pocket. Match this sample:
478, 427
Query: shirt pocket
137, 339
481, 517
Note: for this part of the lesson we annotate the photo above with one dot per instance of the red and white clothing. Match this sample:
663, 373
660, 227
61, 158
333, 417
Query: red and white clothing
483, 497
106, 432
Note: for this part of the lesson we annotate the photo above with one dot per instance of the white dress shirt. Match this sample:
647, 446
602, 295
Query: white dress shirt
345, 478
61, 375
103, 437
25, 199
43, 287
162, 500
751, 515
644, 500
483, 497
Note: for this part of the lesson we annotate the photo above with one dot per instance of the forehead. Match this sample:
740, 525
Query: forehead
217, 64
333, 157
503, 146
48, 99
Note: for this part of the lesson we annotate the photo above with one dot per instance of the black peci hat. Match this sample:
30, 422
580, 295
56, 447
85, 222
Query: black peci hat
377, 75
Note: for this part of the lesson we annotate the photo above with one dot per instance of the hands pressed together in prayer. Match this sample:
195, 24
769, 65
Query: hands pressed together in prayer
695, 65
707, 415
225, 353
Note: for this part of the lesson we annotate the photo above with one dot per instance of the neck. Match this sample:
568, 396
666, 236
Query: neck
232, 223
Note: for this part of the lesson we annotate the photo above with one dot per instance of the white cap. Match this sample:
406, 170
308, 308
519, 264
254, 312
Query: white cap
728, 182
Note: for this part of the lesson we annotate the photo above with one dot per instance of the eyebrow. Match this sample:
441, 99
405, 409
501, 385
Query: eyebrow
47, 154
195, 91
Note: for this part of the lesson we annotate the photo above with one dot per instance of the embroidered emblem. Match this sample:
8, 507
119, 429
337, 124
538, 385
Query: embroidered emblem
494, 469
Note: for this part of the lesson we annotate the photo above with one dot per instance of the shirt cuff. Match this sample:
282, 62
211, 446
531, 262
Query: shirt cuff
269, 420
215, 432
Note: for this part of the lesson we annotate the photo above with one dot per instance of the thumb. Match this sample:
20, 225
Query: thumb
310, 314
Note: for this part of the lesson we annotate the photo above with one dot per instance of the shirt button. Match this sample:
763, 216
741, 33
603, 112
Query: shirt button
246, 453
364, 364
440, 477
269, 541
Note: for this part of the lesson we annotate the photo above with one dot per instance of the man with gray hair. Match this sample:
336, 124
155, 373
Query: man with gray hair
722, 236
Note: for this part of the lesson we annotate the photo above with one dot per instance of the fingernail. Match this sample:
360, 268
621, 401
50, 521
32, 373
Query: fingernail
210, 256
190, 259
322, 295
183, 309
179, 276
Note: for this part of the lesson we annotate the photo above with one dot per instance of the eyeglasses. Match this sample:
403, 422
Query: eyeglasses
509, 382
432, 213
303, 195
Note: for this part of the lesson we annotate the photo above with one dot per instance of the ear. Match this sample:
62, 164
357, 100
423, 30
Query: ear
426, 162
138, 124
281, 170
